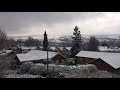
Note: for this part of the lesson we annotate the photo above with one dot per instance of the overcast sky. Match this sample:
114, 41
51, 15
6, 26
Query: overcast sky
59, 23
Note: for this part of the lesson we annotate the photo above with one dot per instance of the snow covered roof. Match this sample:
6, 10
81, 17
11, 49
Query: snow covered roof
112, 59
35, 55
62, 48
23, 47
68, 48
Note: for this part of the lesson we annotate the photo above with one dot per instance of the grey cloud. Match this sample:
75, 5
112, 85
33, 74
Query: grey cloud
12, 22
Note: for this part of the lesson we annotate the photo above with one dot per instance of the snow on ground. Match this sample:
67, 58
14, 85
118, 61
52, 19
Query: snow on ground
67, 74
98, 74
22, 76
101, 48
4, 52
25, 47
62, 48
53, 48
68, 48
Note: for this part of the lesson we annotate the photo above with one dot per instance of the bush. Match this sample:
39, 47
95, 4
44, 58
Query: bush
54, 74
37, 69
40, 69
71, 61
92, 68
45, 61
4, 65
25, 68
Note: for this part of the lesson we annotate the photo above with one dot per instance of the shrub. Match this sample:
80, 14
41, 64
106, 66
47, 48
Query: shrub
54, 74
84, 69
42, 70
37, 69
45, 61
4, 65
25, 68
92, 68
71, 61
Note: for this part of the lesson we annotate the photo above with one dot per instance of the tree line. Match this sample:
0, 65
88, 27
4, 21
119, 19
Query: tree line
76, 43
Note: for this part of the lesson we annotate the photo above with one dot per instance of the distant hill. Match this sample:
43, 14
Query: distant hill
65, 38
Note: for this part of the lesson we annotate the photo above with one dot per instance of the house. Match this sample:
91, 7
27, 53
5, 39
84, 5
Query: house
102, 60
36, 56
26, 49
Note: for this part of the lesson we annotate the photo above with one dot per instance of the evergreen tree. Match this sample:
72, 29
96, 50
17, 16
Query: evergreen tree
77, 42
93, 44
45, 47
45, 42
105, 44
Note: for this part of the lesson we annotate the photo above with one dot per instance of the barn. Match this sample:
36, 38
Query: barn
36, 56
102, 60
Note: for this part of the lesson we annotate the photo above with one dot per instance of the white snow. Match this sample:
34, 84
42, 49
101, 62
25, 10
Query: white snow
4, 52
62, 48
68, 48
35, 55
53, 48
23, 47
112, 59
104, 48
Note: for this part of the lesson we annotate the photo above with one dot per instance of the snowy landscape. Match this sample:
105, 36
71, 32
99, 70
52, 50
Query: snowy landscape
54, 46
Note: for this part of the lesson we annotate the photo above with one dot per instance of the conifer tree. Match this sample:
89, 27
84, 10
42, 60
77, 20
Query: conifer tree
93, 44
77, 42
45, 42
45, 47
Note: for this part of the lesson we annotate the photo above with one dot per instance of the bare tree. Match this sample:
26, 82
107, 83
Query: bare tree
3, 39
32, 42
4, 64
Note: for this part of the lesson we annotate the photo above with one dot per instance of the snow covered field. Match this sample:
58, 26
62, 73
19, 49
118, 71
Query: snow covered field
115, 49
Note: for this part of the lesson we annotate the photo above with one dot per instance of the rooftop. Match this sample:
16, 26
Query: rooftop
35, 55
112, 59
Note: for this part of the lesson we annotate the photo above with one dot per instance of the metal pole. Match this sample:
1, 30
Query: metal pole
47, 61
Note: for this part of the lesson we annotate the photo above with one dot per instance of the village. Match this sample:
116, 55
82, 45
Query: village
40, 59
